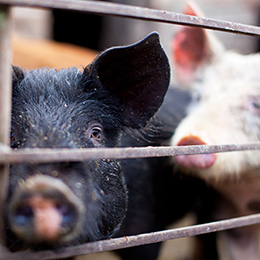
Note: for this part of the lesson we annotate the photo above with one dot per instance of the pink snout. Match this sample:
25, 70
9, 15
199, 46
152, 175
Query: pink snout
198, 161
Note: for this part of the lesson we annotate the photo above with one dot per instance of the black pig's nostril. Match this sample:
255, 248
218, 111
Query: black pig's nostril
23, 215
68, 213
63, 209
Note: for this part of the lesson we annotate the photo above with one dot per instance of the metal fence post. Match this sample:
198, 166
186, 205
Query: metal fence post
5, 100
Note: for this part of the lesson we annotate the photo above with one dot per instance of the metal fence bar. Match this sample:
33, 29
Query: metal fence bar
5, 72
5, 100
36, 155
104, 8
137, 240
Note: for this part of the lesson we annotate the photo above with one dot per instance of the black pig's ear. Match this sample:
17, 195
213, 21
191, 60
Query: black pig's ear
17, 75
138, 75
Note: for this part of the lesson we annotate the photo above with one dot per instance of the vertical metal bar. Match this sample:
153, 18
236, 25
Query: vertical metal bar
5, 101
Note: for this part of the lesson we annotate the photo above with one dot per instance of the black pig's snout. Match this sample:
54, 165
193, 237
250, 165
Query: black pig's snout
44, 209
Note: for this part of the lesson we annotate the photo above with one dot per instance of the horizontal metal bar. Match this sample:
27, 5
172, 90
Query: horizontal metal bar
137, 240
104, 8
35, 155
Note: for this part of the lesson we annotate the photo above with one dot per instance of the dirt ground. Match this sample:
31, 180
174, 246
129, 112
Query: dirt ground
178, 249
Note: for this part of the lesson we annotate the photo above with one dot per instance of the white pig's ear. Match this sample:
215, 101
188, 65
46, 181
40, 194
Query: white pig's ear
193, 47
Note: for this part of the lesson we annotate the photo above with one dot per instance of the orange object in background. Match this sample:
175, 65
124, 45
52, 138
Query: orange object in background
32, 54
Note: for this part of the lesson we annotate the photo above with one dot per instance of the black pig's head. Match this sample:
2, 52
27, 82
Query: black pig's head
59, 204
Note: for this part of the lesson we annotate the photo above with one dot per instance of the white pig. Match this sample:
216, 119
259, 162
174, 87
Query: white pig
225, 110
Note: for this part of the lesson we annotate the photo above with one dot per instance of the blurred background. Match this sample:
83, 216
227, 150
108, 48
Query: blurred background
40, 34
100, 32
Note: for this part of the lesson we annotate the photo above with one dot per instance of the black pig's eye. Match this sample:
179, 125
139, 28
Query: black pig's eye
12, 137
96, 132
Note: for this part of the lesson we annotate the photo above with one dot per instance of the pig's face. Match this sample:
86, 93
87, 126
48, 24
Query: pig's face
225, 107
56, 204
59, 204
225, 110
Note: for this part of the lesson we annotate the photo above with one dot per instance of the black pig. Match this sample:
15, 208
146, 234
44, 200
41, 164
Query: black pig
159, 193
60, 204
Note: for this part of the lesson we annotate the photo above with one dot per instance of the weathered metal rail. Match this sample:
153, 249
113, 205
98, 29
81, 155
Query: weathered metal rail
35, 155
137, 240
104, 8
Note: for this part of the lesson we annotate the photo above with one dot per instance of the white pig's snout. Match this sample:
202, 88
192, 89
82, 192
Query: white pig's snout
198, 161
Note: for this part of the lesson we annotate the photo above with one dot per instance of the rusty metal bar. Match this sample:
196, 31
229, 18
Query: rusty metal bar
35, 155
104, 8
5, 101
137, 240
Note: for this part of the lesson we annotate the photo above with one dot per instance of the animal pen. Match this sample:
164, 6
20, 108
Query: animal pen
9, 156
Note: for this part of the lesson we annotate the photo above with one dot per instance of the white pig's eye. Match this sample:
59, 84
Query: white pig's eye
253, 104
196, 97
256, 104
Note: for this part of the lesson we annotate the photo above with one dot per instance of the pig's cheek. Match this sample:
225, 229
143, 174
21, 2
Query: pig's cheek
198, 161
